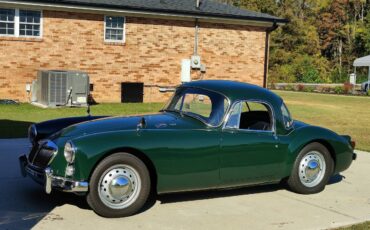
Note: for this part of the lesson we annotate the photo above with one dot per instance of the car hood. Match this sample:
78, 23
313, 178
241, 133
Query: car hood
161, 120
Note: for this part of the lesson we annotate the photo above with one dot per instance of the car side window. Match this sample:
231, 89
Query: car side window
250, 115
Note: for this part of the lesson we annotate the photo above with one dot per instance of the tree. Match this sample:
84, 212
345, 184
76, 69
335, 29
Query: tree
320, 42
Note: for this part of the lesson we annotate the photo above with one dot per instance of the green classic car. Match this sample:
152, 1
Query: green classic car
211, 135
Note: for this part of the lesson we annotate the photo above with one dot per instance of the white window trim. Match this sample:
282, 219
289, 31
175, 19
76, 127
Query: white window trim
16, 25
124, 30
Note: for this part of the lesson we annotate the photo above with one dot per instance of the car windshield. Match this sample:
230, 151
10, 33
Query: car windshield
207, 106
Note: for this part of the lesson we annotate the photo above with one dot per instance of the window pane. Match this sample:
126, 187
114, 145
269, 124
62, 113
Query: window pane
114, 28
203, 105
257, 117
234, 118
29, 22
7, 15
197, 104
7, 28
288, 121
7, 21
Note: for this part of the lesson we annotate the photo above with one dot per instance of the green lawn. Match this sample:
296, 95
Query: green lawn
15, 119
363, 226
343, 114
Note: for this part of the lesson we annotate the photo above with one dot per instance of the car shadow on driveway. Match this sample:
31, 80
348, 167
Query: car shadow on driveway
220, 193
211, 194
24, 203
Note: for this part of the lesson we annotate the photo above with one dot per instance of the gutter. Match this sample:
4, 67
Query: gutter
71, 5
267, 52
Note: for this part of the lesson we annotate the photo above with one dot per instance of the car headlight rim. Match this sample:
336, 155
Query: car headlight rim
69, 152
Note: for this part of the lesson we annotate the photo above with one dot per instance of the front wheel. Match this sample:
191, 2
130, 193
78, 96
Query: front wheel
312, 169
119, 186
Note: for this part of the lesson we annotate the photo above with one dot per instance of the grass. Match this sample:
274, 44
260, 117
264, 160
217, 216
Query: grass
363, 226
15, 119
343, 114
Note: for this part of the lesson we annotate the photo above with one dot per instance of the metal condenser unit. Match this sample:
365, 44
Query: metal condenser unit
61, 88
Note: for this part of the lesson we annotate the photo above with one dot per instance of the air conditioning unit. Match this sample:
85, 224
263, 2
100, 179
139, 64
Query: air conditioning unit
61, 88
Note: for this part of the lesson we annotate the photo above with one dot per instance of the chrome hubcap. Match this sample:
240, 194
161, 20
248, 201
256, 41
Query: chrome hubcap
312, 169
119, 186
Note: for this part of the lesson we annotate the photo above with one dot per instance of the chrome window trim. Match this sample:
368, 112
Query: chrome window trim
273, 118
197, 118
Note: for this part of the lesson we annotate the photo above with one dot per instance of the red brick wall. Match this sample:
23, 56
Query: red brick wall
152, 54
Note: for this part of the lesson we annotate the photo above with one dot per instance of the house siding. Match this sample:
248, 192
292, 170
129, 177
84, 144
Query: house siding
152, 54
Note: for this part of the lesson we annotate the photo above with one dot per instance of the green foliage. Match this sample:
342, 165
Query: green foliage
309, 89
338, 90
320, 42
289, 88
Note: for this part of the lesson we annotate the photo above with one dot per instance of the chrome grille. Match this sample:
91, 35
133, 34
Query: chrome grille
42, 154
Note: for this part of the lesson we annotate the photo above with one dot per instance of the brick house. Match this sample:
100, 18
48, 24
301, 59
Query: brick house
137, 41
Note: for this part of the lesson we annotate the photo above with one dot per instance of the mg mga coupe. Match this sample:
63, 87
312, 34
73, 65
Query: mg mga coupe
211, 135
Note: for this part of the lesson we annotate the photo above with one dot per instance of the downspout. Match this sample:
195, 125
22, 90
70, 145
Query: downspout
267, 49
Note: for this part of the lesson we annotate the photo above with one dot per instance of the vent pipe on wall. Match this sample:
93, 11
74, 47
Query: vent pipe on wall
196, 37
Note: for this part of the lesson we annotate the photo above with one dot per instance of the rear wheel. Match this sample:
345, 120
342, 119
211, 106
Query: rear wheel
119, 186
312, 169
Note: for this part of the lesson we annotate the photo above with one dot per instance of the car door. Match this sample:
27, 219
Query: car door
250, 154
190, 160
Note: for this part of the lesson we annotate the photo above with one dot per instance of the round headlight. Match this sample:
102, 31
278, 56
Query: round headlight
32, 133
69, 152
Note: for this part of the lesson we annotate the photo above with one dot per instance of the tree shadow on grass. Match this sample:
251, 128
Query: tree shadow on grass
13, 129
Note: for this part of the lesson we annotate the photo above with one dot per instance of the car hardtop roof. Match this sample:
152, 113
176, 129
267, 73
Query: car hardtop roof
236, 90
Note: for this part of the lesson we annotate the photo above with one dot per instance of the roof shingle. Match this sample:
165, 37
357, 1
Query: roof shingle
207, 8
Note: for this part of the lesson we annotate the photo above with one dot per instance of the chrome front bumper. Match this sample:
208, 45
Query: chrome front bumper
49, 181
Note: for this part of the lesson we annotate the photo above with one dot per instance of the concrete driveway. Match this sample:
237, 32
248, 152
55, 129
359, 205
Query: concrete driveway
24, 205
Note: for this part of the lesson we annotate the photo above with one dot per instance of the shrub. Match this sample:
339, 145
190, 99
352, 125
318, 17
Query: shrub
289, 87
326, 89
338, 90
347, 88
272, 86
309, 89
300, 87
368, 92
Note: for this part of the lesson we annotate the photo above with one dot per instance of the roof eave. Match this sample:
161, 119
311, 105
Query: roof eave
227, 19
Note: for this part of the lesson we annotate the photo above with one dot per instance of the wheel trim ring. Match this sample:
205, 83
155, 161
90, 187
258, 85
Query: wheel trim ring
132, 196
305, 171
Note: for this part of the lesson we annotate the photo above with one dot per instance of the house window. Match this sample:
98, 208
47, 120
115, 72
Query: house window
20, 23
7, 21
114, 29
29, 23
